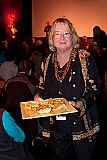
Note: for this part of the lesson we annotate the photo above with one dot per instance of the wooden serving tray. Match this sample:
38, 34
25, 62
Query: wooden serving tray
34, 114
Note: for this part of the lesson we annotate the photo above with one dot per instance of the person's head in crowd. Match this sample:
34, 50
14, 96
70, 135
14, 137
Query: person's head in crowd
11, 54
39, 42
84, 38
90, 41
25, 66
96, 30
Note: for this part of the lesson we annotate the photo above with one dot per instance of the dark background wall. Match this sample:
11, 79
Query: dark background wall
27, 17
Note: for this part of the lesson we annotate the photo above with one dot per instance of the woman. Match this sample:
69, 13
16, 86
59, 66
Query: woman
71, 73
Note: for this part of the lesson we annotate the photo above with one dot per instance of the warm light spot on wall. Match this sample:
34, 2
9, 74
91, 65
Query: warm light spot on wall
11, 24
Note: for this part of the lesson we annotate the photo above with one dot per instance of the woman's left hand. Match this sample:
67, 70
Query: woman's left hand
74, 104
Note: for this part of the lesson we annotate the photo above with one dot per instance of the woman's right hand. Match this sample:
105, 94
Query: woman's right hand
37, 97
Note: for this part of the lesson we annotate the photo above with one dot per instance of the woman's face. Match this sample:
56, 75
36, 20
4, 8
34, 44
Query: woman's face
62, 37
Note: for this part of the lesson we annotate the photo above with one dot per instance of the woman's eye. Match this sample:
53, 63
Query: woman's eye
57, 34
66, 33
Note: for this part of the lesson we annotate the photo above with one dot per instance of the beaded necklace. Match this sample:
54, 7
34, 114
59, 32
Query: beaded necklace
64, 73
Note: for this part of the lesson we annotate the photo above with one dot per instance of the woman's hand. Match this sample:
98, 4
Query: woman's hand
74, 104
37, 97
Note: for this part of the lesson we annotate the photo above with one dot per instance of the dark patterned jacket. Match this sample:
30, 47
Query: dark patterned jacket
82, 83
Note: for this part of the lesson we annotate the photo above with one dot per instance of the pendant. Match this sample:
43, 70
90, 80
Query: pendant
60, 81
70, 79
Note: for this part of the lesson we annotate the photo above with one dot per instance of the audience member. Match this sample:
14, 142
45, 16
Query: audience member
36, 58
11, 138
84, 43
8, 69
20, 89
47, 29
24, 50
101, 38
3, 50
90, 41
94, 50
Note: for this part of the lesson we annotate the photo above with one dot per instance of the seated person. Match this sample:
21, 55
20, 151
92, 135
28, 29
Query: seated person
8, 69
3, 50
20, 89
47, 28
84, 43
11, 138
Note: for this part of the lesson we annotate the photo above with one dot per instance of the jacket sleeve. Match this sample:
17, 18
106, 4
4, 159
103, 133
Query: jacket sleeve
12, 129
41, 82
43, 71
93, 86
